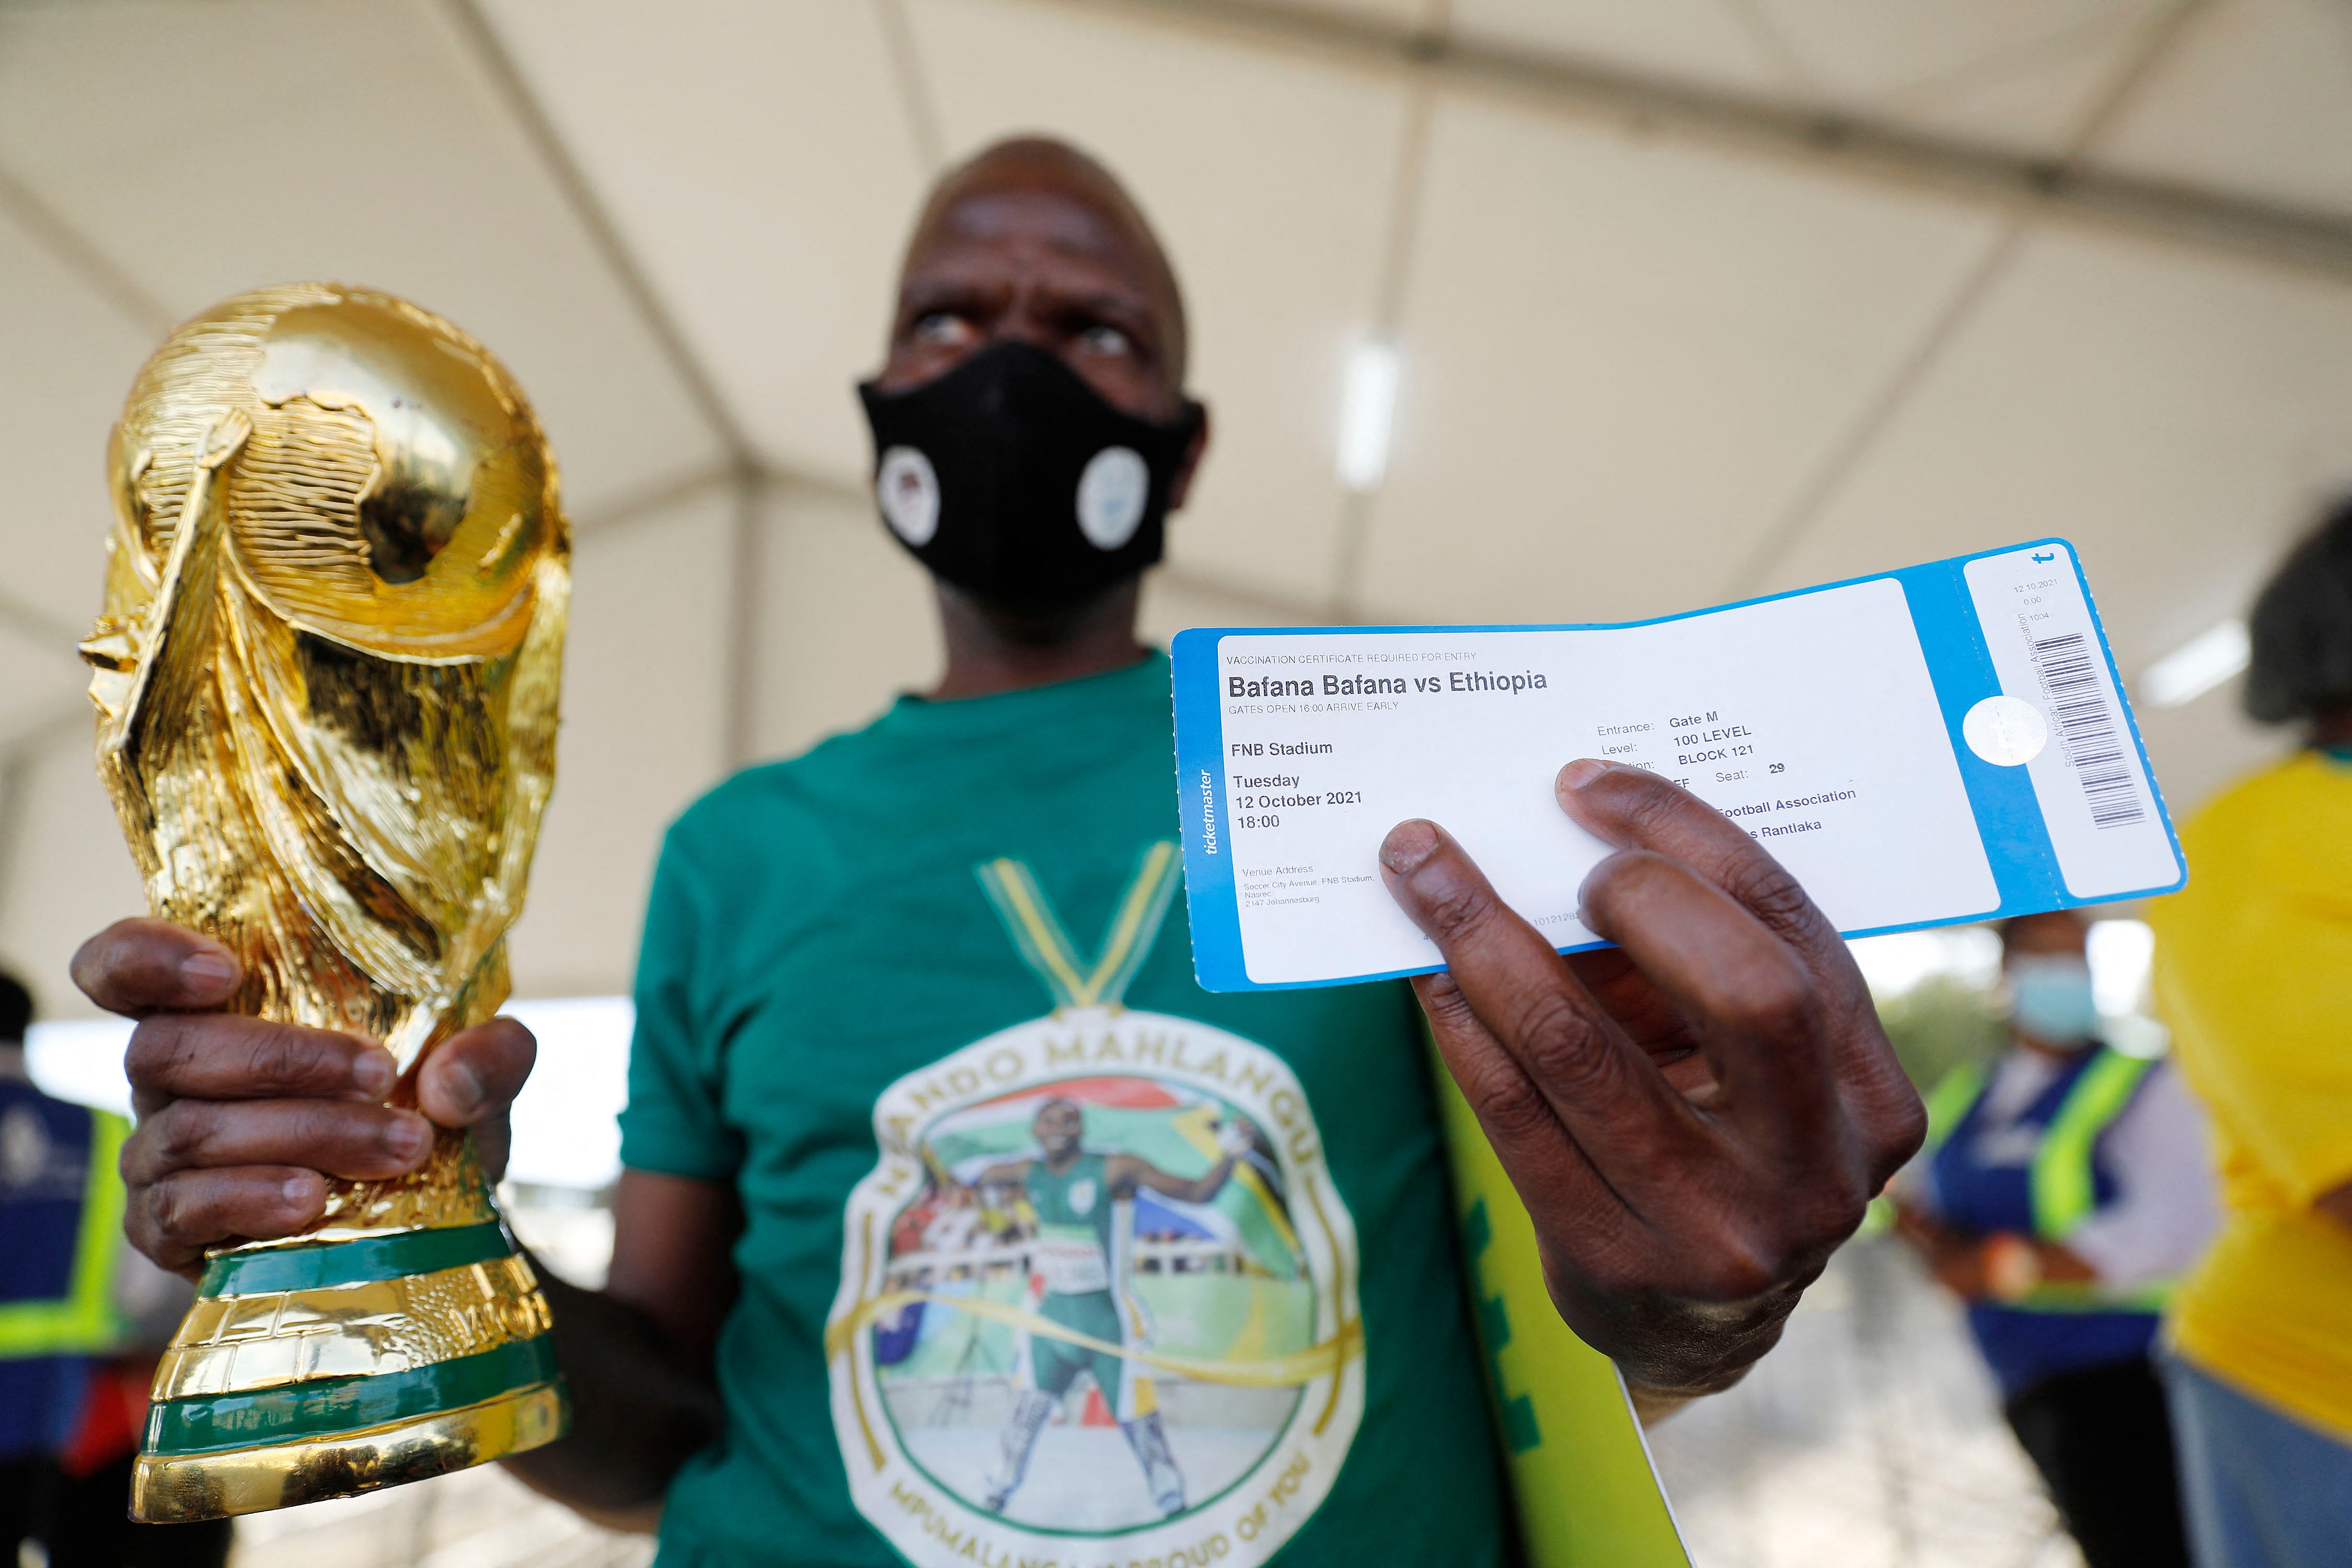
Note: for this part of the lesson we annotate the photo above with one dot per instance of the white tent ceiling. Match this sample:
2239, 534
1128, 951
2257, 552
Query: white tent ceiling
1695, 298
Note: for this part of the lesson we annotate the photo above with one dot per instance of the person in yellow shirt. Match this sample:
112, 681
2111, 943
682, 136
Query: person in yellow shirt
2254, 972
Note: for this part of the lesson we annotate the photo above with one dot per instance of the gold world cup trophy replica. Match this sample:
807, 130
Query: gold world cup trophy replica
327, 675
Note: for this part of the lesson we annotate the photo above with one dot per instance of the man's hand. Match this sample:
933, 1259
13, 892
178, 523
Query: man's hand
241, 1121
1695, 1118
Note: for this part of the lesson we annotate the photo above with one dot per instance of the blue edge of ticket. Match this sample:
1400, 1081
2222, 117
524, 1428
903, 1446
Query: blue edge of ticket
1943, 743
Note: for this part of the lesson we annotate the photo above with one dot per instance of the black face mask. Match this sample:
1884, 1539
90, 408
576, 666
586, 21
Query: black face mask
1012, 479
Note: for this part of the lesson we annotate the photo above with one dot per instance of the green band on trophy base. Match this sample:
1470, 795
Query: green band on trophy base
353, 1262
303, 1411
181, 1486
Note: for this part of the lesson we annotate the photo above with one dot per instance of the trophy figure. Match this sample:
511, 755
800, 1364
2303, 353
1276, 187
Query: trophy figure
326, 688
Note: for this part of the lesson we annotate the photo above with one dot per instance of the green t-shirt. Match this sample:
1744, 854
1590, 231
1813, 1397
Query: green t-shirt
868, 974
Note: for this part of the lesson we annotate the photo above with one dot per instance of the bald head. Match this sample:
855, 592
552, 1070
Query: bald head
1033, 240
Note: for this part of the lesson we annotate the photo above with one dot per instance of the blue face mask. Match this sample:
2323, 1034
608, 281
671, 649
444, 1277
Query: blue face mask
2050, 998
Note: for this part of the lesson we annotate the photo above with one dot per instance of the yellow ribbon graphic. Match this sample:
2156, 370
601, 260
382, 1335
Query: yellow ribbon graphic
1279, 1371
1046, 948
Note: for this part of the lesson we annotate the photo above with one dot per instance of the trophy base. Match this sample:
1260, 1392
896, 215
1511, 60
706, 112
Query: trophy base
322, 1366
177, 1490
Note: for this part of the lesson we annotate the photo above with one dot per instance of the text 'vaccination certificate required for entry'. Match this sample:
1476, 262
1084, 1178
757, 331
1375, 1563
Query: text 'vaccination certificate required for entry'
1943, 743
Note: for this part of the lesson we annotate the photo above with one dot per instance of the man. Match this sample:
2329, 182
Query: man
1696, 1117
2060, 1196
1074, 1193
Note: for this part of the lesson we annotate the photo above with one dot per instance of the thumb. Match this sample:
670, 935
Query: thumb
472, 1078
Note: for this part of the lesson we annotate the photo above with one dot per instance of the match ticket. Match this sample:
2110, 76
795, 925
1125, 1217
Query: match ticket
1943, 743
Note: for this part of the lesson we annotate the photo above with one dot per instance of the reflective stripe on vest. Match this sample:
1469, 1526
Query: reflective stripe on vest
2060, 1183
1949, 1101
83, 1322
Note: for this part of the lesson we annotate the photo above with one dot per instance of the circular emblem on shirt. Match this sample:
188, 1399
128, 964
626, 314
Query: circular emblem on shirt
1112, 494
1097, 1302
908, 489
2005, 730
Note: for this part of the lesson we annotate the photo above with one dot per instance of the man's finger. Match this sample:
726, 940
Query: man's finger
358, 1143
226, 1055
174, 1220
1756, 1007
1625, 994
139, 967
1599, 1083
1515, 1114
1633, 808
1638, 810
473, 1075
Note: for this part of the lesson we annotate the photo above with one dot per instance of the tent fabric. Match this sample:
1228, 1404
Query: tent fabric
1666, 335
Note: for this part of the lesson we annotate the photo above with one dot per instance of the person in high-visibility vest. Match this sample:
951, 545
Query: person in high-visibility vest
60, 1214
2061, 1191
74, 1362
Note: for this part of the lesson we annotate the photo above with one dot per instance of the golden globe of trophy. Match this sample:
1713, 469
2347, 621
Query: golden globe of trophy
327, 675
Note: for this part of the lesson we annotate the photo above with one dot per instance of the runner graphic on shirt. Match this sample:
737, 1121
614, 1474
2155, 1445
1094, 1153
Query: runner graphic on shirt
1099, 1287
1072, 1192
1068, 1239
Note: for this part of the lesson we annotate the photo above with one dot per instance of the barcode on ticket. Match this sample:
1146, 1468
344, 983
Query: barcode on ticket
2072, 693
